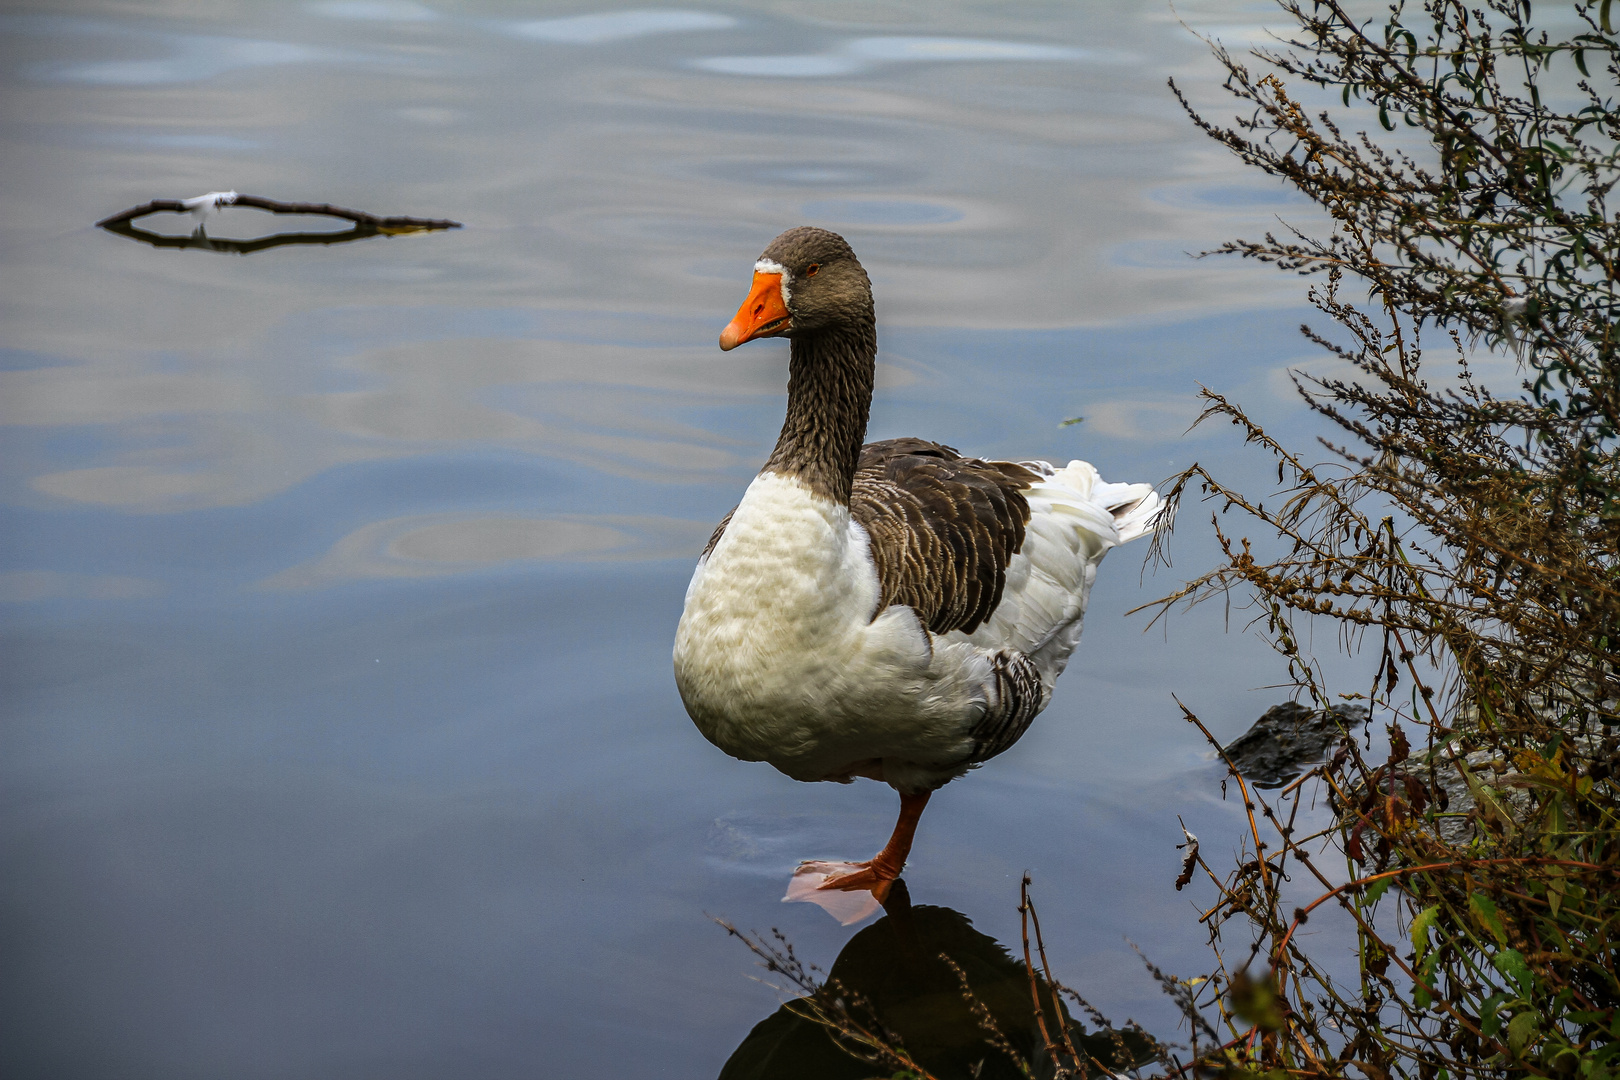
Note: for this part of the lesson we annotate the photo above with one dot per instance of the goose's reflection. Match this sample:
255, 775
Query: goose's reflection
203, 242
897, 967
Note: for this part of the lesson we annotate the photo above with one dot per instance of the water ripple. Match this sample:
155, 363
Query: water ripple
193, 58
863, 53
618, 26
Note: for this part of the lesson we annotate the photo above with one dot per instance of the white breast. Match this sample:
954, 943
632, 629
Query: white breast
778, 657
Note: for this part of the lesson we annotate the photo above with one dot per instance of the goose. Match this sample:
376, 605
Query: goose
894, 610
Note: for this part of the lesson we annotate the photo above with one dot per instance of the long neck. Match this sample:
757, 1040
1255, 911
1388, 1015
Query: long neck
829, 396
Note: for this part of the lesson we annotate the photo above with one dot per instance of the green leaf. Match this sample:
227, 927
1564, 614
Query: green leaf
1522, 1030
1383, 118
1376, 890
1510, 962
1420, 930
1420, 995
1486, 915
1490, 1022
1603, 17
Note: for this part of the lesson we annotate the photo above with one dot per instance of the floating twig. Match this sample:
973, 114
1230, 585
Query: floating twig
204, 205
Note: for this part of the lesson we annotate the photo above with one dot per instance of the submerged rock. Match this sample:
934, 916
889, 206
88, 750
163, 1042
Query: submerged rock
1287, 739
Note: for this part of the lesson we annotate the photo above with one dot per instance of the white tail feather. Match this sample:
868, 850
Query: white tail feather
1138, 518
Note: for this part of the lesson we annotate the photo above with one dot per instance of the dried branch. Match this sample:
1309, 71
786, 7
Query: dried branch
211, 202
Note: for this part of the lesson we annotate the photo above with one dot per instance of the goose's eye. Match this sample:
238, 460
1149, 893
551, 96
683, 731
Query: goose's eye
810, 271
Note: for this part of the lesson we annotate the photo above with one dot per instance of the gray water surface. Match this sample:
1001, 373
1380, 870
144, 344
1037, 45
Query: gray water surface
339, 582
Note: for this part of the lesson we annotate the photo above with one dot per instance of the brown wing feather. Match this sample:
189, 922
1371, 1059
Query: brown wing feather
943, 528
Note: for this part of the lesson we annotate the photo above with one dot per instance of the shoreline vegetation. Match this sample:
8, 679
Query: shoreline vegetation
1465, 540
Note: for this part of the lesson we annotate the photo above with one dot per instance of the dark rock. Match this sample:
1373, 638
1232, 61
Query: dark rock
1288, 738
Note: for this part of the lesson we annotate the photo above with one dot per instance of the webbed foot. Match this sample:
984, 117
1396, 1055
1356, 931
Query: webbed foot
849, 892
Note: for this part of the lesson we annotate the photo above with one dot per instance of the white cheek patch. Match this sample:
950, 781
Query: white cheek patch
767, 266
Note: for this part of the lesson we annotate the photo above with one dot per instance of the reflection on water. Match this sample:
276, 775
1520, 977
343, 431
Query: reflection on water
861, 54
377, 10
875, 212
439, 544
903, 977
201, 241
183, 57
618, 26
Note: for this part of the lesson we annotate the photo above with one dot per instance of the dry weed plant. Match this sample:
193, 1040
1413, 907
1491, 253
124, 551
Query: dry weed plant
1470, 541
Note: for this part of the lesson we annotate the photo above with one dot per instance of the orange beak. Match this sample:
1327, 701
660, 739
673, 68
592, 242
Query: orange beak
762, 315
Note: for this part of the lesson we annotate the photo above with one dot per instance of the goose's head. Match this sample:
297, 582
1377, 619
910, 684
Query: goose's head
808, 281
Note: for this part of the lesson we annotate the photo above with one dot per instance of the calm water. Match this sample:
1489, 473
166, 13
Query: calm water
339, 582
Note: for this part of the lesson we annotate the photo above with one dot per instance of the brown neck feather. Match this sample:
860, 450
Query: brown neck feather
830, 380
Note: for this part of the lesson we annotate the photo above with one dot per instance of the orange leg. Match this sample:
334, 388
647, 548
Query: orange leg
886, 865
850, 892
